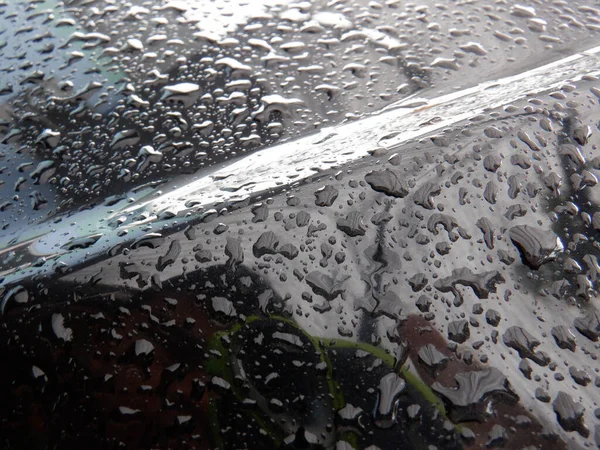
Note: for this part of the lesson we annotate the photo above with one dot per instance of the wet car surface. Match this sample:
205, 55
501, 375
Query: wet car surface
337, 224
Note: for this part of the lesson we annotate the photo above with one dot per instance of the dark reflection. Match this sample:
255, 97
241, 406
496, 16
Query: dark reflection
215, 360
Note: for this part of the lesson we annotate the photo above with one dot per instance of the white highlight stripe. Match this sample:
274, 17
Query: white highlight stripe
292, 161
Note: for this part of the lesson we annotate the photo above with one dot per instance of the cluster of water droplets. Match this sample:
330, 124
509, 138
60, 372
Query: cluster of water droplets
468, 258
